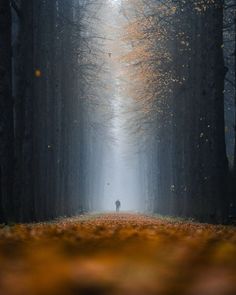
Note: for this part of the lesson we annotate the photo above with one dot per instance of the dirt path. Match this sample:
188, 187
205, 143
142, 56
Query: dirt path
117, 254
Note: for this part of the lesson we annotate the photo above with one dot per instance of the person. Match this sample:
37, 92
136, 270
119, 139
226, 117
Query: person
118, 205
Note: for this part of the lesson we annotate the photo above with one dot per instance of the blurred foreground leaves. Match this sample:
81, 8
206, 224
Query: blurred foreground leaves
117, 254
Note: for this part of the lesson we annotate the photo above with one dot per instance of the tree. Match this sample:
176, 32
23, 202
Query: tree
6, 118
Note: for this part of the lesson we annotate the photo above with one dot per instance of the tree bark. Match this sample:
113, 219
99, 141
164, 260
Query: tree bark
6, 117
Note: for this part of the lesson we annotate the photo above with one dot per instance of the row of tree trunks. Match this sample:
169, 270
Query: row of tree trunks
40, 133
186, 91
200, 154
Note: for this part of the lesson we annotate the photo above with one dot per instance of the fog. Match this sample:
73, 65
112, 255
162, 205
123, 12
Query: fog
119, 176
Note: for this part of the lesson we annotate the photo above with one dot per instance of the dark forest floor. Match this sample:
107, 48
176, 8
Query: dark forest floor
117, 254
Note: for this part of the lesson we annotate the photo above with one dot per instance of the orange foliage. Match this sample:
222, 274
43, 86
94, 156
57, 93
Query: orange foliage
117, 254
153, 33
149, 63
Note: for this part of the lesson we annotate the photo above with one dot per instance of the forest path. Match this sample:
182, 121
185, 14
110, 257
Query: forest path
117, 254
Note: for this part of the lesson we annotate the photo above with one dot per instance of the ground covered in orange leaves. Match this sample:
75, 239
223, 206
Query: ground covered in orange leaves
117, 254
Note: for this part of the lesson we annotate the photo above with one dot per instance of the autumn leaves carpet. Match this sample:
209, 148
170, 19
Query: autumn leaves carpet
117, 254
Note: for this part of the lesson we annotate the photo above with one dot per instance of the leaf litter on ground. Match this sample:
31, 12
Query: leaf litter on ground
117, 254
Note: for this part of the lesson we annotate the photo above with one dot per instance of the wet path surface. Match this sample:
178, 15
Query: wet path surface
117, 254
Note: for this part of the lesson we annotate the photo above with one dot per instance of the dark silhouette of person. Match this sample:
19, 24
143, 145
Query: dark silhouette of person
118, 205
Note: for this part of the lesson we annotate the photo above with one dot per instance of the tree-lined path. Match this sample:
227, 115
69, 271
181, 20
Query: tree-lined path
117, 254
117, 99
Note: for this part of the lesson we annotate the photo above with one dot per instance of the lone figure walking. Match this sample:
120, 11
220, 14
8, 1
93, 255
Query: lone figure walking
118, 205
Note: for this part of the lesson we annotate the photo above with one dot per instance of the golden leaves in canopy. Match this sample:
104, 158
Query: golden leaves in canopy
152, 35
149, 58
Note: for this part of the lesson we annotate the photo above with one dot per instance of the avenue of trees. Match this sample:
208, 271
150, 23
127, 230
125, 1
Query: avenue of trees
44, 72
54, 102
178, 64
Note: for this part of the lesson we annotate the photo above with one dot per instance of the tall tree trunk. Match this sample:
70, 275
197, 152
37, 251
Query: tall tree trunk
6, 115
235, 89
209, 181
23, 110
